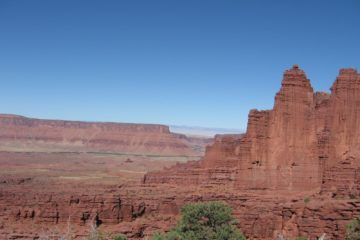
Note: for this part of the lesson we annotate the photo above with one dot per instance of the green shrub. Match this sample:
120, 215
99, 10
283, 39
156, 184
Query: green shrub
301, 238
353, 196
306, 200
120, 237
204, 221
353, 229
96, 234
172, 235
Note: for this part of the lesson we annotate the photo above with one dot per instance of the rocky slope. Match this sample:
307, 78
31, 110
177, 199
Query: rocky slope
294, 172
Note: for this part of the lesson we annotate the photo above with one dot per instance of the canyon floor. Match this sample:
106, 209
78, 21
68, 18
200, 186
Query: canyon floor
46, 163
37, 174
77, 169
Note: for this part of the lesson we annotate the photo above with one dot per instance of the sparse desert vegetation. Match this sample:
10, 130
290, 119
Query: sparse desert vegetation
353, 229
200, 221
179, 120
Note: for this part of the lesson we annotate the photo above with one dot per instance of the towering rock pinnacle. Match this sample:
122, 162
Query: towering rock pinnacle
295, 172
298, 145
291, 133
278, 149
308, 144
342, 168
295, 87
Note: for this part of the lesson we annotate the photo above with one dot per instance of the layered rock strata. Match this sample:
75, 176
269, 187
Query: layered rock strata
295, 172
309, 140
21, 133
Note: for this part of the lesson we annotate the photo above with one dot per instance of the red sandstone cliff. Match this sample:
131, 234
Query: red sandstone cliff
21, 133
294, 172
308, 144
307, 141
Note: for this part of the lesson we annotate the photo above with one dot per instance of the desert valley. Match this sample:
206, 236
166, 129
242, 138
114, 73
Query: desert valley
179, 120
294, 172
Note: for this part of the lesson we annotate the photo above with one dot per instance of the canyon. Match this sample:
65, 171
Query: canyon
295, 172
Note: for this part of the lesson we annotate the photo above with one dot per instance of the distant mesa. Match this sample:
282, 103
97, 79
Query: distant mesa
294, 172
19, 132
192, 131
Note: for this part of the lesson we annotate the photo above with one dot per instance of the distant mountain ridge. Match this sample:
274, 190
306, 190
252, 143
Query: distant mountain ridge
19, 133
196, 131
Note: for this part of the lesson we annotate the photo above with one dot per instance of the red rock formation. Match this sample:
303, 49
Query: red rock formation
295, 172
298, 145
18, 133
342, 133
277, 150
309, 143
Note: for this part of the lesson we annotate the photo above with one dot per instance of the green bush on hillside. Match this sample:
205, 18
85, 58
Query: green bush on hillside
120, 237
353, 229
204, 221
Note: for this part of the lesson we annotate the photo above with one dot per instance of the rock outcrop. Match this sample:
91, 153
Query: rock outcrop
295, 172
308, 144
307, 141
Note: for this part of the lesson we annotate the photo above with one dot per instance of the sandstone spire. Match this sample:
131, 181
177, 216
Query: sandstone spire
298, 145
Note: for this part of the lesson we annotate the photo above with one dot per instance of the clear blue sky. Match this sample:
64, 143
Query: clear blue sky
185, 62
